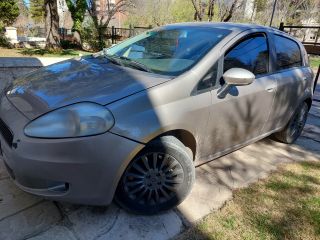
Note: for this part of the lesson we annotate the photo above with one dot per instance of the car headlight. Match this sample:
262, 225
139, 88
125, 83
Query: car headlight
77, 120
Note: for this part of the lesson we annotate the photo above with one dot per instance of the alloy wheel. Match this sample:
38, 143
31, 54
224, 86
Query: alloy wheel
153, 178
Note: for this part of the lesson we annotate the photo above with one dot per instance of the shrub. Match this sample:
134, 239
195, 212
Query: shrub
67, 44
3, 40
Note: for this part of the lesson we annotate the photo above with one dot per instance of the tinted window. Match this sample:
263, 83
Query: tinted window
251, 53
288, 53
170, 50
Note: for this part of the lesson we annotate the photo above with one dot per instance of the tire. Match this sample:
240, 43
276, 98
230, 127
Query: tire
295, 126
159, 178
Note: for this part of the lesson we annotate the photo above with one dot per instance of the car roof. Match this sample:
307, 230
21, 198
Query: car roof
224, 25
234, 27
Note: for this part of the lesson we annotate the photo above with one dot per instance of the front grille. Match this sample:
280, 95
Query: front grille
6, 133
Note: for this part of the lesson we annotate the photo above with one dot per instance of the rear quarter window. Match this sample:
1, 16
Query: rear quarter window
288, 53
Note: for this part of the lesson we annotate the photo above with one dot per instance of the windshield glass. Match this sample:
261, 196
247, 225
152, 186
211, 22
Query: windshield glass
169, 51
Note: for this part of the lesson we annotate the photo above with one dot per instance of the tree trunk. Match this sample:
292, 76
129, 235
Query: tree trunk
197, 9
52, 24
228, 15
210, 10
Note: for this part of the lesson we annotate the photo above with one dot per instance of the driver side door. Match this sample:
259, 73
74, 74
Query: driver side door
241, 115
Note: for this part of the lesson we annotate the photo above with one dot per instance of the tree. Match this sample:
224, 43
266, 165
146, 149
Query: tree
181, 11
52, 24
198, 6
77, 9
102, 18
9, 11
227, 9
210, 10
37, 10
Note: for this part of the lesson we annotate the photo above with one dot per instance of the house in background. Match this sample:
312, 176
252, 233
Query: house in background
65, 20
102, 11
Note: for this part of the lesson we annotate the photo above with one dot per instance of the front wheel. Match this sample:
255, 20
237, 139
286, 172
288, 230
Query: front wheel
158, 179
295, 126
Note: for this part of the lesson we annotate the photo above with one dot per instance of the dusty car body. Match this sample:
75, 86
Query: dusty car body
158, 125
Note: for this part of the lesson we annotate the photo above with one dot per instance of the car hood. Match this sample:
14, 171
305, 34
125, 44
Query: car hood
92, 79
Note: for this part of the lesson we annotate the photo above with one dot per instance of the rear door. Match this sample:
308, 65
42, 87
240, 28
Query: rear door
291, 81
241, 115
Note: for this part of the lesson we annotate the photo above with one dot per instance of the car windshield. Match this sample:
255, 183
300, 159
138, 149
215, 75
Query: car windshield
168, 51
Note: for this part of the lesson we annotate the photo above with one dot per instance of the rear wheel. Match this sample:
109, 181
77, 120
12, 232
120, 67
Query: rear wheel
158, 179
295, 126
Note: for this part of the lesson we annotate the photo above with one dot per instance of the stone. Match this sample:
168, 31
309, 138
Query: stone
30, 222
114, 223
157, 227
13, 200
55, 233
91, 222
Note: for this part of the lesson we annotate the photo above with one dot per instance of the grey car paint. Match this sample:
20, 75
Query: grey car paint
144, 106
86, 79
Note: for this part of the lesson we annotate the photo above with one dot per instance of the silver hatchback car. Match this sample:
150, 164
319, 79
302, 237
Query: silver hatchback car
133, 121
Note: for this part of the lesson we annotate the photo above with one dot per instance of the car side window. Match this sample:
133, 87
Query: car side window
252, 53
288, 53
210, 79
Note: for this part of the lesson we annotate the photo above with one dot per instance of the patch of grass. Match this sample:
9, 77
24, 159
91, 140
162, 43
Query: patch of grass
284, 206
314, 61
278, 186
48, 53
36, 52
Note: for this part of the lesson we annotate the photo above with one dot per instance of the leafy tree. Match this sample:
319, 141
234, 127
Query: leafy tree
182, 11
37, 10
52, 24
77, 9
102, 14
160, 12
9, 11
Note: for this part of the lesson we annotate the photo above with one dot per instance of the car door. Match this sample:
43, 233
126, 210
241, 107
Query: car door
242, 113
291, 79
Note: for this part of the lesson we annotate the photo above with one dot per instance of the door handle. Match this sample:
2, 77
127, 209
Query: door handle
270, 89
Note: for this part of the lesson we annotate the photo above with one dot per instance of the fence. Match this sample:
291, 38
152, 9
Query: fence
115, 34
119, 34
308, 35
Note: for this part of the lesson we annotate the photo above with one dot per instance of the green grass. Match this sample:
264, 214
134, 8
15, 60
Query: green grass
284, 206
36, 52
314, 61
48, 53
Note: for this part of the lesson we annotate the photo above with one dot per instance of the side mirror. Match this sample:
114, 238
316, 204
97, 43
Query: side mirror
238, 77
235, 77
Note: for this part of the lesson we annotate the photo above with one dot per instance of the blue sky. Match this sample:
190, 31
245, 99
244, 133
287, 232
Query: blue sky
26, 2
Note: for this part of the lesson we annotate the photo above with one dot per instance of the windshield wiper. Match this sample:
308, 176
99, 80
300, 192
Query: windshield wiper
135, 64
112, 59
129, 61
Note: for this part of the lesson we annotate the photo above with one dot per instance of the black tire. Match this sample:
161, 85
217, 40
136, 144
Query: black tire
295, 126
150, 186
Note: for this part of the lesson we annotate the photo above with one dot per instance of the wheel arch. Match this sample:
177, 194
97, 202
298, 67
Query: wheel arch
184, 136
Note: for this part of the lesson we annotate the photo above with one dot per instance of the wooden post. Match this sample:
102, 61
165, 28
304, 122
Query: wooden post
113, 35
281, 27
316, 79
317, 36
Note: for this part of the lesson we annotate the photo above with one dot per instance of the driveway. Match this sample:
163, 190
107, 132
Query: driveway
23, 216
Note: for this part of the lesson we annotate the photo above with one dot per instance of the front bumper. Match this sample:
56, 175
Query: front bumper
80, 170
